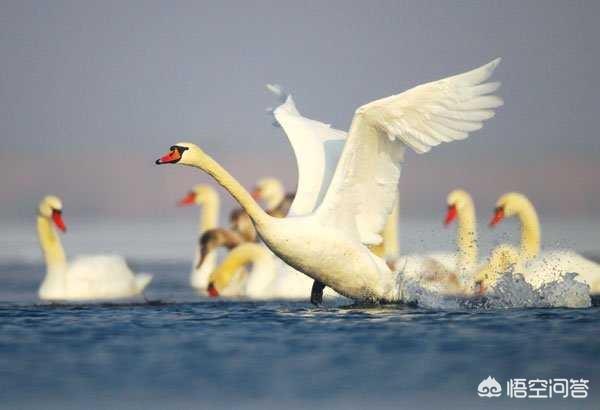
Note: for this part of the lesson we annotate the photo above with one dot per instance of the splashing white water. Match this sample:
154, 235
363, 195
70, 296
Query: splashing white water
510, 291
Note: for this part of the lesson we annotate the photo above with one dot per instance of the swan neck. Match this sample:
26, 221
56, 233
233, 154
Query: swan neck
224, 178
466, 238
530, 232
209, 215
200, 274
238, 258
54, 254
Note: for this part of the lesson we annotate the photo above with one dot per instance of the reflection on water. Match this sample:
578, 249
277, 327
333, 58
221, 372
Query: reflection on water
182, 351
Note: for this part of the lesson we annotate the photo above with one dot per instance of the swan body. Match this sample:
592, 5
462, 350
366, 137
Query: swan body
331, 244
551, 265
542, 267
99, 277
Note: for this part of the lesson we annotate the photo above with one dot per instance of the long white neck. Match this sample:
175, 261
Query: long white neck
199, 275
530, 231
54, 255
209, 214
466, 238
209, 219
224, 178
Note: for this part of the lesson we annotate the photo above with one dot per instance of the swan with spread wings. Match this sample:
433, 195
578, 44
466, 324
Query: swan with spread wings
331, 244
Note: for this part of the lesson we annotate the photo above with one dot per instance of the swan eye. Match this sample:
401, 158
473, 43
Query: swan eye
179, 149
174, 155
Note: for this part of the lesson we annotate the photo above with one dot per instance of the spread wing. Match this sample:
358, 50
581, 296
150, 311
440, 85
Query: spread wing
364, 187
317, 148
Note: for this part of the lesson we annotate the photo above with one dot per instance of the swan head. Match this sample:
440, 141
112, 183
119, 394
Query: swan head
215, 238
457, 200
183, 153
269, 190
509, 205
51, 208
201, 194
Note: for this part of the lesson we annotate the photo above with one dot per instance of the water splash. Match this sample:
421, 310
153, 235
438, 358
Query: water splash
511, 290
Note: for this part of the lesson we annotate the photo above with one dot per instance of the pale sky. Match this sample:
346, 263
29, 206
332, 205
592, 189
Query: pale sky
92, 92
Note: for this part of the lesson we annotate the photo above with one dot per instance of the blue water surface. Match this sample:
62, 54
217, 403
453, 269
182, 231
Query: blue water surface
179, 350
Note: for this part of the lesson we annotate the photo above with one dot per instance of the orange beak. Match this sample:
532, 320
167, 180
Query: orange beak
171, 158
189, 199
256, 194
212, 291
58, 221
450, 215
497, 217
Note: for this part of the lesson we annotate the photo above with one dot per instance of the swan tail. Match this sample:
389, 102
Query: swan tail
141, 281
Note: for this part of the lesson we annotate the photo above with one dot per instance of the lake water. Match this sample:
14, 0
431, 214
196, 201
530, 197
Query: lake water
179, 350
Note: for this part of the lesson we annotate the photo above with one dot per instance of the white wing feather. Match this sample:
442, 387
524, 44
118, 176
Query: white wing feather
317, 148
365, 184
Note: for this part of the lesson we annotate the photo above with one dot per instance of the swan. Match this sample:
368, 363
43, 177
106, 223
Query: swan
331, 244
317, 148
98, 277
270, 190
449, 272
207, 198
539, 268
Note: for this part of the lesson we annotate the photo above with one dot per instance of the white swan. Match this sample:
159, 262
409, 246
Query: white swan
207, 198
539, 268
86, 278
330, 244
317, 148
448, 272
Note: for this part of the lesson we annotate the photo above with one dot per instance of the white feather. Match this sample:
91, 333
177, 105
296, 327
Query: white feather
420, 118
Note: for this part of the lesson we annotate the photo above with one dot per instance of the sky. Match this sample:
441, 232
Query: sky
93, 92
